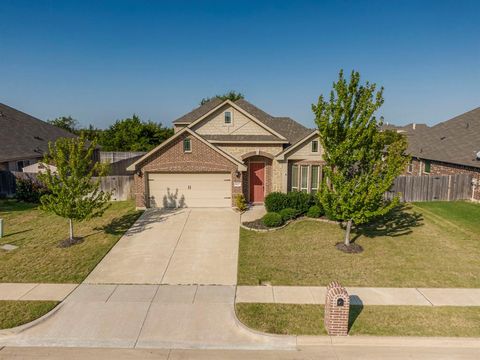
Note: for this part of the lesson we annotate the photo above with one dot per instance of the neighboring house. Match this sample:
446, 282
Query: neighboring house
24, 139
448, 148
222, 149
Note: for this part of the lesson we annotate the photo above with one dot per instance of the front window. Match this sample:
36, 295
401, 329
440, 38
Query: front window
304, 178
427, 166
187, 145
314, 178
295, 178
228, 117
315, 146
410, 167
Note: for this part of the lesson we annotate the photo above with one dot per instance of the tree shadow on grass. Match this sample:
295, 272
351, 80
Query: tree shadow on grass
398, 222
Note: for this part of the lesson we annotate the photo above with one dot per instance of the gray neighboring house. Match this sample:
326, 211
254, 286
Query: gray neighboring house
24, 139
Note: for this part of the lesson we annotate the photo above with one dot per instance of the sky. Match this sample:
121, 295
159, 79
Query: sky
100, 61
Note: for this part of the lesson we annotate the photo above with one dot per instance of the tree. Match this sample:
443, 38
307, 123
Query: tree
132, 134
361, 161
73, 193
66, 123
231, 95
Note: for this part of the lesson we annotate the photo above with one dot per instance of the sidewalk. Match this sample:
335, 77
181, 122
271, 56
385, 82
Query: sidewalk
34, 291
360, 295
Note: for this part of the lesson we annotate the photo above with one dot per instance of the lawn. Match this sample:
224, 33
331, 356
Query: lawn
422, 245
15, 313
368, 320
38, 234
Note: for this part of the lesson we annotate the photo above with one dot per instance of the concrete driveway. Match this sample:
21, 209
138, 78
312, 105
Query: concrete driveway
187, 246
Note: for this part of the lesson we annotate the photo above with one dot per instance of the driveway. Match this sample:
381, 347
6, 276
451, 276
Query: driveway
188, 246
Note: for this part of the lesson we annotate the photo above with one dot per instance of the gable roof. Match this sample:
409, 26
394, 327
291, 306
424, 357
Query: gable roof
25, 137
241, 166
455, 141
312, 133
284, 126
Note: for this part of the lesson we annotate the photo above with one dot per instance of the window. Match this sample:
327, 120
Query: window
314, 146
427, 167
294, 179
187, 145
410, 167
228, 117
314, 178
304, 178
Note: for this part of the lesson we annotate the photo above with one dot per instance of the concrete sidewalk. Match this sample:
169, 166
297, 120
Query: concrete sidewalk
35, 291
360, 295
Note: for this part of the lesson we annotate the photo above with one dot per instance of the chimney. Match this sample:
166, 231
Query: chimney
414, 126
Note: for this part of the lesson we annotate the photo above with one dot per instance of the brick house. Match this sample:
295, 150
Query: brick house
448, 148
225, 148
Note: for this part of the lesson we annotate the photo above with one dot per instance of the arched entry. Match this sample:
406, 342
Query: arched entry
259, 176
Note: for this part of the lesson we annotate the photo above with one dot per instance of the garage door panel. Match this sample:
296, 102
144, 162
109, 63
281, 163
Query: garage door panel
190, 190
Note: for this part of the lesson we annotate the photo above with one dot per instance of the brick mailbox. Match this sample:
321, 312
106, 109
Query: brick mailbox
337, 307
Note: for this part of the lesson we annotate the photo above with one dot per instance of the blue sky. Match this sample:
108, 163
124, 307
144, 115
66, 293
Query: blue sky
104, 60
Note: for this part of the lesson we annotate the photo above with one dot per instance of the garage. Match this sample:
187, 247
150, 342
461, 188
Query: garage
190, 189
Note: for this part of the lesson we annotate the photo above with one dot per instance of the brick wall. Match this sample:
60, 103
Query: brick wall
337, 308
172, 158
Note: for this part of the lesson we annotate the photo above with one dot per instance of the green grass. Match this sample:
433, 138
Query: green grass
37, 234
15, 313
423, 245
369, 320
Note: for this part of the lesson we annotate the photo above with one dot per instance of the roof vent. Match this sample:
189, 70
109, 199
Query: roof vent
2, 114
443, 138
478, 155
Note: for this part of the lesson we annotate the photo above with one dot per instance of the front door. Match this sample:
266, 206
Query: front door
257, 182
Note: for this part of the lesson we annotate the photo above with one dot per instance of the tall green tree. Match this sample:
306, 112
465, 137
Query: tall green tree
230, 95
66, 123
74, 195
361, 161
133, 134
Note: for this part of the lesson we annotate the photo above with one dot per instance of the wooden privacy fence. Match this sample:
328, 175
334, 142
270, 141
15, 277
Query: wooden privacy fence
432, 187
121, 186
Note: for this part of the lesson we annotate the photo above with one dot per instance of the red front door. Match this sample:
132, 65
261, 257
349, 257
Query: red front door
257, 181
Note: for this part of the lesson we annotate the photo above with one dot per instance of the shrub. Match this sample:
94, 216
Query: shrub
314, 212
300, 201
272, 219
276, 201
29, 190
240, 202
288, 214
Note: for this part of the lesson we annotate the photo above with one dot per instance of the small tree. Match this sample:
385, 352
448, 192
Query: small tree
361, 161
74, 194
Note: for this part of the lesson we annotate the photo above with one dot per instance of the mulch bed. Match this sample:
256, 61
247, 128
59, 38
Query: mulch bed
67, 243
256, 224
351, 249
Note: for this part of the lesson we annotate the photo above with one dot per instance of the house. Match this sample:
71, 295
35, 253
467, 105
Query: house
24, 139
222, 149
39, 168
448, 148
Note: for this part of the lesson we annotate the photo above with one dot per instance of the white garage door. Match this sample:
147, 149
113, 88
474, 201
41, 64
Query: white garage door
190, 190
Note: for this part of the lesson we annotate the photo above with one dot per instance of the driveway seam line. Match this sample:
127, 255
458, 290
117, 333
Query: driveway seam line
176, 245
195, 295
145, 319
424, 296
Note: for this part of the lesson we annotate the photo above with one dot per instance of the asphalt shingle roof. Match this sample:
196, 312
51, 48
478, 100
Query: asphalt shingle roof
25, 137
285, 126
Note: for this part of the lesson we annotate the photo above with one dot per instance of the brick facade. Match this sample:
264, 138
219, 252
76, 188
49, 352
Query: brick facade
172, 158
417, 168
337, 308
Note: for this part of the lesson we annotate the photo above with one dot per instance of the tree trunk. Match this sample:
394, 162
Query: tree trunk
347, 232
71, 229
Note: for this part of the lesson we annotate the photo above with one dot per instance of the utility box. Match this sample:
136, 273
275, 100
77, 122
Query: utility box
337, 308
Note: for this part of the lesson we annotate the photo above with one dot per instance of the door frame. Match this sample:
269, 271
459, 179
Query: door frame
264, 180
